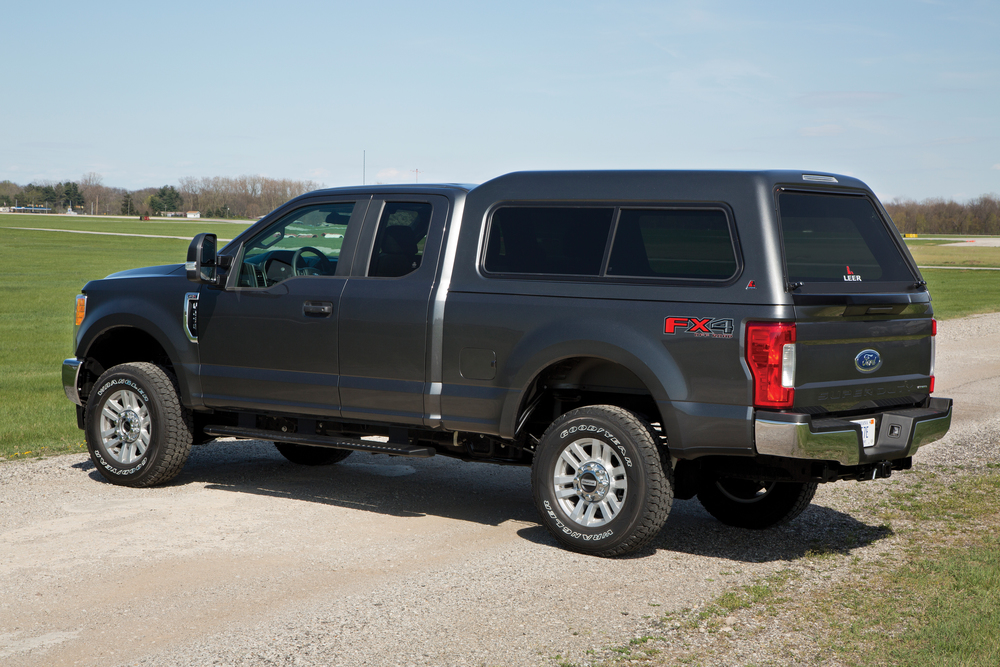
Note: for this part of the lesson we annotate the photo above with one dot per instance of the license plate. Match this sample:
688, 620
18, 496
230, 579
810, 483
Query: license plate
867, 431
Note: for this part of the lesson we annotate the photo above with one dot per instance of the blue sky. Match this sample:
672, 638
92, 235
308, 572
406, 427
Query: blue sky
902, 94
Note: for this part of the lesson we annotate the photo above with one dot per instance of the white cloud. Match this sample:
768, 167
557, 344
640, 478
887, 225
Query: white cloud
996, 166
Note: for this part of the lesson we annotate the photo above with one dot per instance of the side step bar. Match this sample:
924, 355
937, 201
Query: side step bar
354, 444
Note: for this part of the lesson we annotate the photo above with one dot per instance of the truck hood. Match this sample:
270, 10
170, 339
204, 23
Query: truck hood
165, 270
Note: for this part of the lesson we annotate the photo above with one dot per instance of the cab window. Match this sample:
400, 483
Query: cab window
399, 241
305, 242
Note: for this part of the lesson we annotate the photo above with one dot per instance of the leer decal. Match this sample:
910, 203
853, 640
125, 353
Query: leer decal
851, 277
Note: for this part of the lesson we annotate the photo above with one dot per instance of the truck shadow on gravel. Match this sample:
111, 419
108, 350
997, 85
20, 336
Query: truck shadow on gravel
491, 495
692, 530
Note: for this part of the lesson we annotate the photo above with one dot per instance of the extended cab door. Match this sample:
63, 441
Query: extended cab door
384, 312
269, 340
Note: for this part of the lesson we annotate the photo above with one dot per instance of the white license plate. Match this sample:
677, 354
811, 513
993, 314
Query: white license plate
867, 431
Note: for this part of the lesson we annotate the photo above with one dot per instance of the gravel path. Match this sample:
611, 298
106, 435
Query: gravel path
249, 560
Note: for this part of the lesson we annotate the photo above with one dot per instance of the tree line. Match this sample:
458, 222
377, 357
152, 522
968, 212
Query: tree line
251, 196
242, 197
938, 216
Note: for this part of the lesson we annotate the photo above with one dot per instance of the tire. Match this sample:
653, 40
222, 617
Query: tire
137, 431
311, 456
599, 482
757, 505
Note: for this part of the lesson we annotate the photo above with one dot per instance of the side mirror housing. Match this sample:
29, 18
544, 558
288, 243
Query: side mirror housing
201, 262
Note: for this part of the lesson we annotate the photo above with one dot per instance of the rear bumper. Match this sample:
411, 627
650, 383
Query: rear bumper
900, 434
70, 376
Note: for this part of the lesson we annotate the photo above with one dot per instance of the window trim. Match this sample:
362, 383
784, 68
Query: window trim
602, 276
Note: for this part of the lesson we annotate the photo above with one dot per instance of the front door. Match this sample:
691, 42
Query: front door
269, 341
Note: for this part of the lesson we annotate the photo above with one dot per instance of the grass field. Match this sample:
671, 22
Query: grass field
933, 253
43, 273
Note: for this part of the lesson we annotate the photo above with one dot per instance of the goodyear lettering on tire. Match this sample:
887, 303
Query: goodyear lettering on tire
576, 535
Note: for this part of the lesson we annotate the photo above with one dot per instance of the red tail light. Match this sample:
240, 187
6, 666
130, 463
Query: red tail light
933, 354
765, 348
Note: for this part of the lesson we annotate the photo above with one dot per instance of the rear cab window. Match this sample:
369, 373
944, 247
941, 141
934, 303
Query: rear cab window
837, 242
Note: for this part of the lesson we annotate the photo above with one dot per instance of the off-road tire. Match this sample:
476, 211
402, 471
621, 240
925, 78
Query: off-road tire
311, 456
754, 505
138, 401
633, 471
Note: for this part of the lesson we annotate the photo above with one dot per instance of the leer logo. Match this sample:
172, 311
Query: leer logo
851, 277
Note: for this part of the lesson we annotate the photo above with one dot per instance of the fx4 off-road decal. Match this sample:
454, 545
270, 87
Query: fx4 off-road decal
706, 327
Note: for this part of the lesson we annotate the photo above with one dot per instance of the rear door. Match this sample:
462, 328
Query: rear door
385, 309
863, 316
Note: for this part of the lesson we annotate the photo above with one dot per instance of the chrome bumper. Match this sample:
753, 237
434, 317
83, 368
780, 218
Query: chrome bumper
70, 375
900, 434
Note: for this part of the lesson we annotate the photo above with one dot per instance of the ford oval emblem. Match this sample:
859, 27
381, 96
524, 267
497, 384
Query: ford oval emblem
868, 361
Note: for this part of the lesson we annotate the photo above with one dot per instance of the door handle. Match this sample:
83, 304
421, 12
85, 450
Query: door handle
317, 308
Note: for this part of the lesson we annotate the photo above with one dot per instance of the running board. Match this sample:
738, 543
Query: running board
354, 444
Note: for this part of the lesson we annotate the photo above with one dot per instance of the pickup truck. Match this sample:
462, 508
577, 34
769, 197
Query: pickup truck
634, 336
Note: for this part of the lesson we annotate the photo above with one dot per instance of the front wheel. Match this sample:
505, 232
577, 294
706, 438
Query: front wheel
757, 505
599, 482
138, 433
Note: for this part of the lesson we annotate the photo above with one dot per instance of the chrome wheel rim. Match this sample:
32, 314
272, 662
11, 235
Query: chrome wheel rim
590, 483
744, 491
125, 427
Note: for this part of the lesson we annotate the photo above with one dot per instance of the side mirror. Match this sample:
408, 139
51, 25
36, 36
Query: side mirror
201, 262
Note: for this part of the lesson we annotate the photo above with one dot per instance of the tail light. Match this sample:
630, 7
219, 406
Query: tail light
770, 349
933, 345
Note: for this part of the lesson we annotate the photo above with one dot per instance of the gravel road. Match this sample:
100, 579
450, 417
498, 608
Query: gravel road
247, 559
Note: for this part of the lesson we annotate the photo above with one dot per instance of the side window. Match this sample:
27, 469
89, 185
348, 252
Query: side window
305, 242
399, 241
673, 243
548, 240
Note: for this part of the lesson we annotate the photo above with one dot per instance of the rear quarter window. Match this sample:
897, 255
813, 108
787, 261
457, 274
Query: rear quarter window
673, 243
548, 240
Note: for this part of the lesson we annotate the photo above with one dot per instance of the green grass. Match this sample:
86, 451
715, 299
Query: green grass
957, 293
932, 253
941, 601
40, 277
179, 227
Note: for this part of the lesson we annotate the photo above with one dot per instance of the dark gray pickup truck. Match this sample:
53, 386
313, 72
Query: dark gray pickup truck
633, 336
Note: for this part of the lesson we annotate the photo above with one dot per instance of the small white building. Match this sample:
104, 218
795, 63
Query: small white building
194, 214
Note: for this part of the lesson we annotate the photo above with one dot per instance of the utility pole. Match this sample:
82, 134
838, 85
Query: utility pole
364, 166
416, 175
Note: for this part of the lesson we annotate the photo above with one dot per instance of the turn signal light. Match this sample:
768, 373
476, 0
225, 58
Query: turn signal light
81, 308
770, 350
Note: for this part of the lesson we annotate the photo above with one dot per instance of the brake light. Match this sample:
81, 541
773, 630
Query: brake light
770, 350
933, 354
81, 308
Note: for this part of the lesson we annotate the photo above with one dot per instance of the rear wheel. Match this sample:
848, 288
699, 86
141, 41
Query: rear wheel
750, 504
307, 455
599, 482
138, 433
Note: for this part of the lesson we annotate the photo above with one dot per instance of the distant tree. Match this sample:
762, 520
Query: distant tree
128, 208
166, 199
9, 192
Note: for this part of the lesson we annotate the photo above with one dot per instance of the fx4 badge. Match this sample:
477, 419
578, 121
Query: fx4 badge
714, 327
